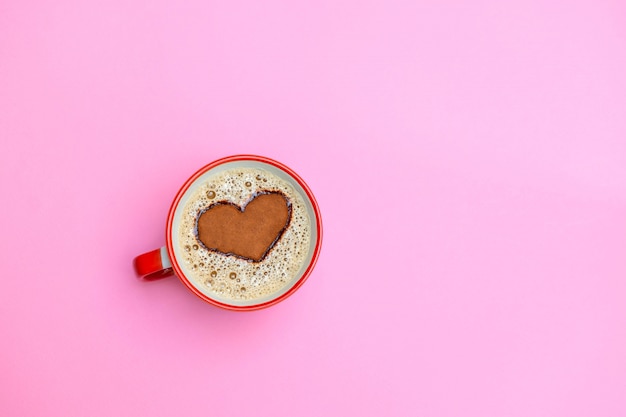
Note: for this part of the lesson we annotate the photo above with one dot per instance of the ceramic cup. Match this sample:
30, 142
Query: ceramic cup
172, 258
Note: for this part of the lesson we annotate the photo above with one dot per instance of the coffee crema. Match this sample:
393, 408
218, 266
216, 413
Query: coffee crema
244, 234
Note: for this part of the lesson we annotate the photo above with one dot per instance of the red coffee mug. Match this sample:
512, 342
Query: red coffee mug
169, 259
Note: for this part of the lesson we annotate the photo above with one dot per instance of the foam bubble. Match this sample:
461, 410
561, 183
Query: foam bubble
229, 277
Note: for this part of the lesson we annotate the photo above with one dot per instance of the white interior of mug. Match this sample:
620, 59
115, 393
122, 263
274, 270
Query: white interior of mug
191, 190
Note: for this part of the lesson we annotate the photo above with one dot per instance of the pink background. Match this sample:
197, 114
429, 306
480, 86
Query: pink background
469, 161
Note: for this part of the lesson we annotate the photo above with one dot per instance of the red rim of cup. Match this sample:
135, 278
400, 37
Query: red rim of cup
170, 220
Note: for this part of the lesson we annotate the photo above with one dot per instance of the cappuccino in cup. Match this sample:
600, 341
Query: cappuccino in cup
236, 243
243, 233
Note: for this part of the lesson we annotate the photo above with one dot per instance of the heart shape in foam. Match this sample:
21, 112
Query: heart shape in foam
249, 232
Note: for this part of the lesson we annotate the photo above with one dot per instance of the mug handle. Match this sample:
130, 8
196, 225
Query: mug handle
153, 265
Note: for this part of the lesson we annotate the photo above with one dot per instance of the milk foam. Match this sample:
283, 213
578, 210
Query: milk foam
232, 278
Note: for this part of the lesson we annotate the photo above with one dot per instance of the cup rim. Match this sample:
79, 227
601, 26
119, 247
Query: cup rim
172, 212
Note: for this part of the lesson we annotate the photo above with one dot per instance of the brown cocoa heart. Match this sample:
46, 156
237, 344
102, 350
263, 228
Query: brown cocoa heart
248, 232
